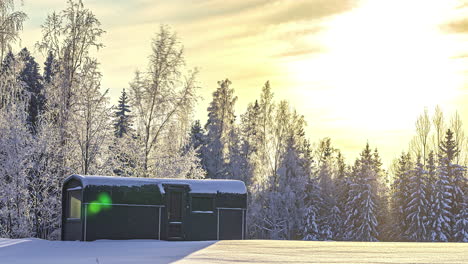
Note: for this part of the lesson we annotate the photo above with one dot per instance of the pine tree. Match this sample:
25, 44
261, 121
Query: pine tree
123, 121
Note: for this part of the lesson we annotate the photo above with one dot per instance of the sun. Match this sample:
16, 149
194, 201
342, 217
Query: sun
384, 62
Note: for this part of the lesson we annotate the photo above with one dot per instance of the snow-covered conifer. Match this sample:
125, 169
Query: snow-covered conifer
416, 208
361, 206
123, 121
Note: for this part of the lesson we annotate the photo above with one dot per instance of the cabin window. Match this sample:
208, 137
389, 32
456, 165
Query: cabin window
202, 205
74, 199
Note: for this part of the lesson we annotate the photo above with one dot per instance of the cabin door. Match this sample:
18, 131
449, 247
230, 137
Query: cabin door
176, 197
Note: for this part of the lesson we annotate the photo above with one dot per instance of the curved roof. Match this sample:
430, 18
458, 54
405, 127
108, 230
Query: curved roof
196, 186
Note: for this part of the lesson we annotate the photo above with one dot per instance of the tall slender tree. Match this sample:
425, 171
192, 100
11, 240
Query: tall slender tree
220, 123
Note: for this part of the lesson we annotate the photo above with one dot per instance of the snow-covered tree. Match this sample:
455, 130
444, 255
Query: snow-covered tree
11, 23
32, 80
328, 167
400, 193
361, 207
461, 225
249, 143
439, 127
441, 226
91, 122
218, 128
160, 95
50, 68
431, 168
45, 181
341, 191
123, 121
313, 200
69, 37
15, 149
420, 143
417, 206
196, 142
452, 177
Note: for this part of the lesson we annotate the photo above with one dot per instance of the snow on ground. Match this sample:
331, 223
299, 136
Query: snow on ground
38, 251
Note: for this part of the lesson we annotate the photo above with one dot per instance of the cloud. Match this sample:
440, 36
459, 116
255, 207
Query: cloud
460, 56
300, 52
458, 23
458, 26
294, 11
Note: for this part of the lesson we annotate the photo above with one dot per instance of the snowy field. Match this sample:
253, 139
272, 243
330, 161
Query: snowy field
38, 251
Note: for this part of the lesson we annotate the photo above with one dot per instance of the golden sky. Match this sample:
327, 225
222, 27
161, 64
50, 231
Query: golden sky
357, 70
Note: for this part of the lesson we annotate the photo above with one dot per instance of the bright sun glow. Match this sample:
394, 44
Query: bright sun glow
384, 63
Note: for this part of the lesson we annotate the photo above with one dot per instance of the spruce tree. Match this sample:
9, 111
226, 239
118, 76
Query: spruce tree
400, 192
416, 208
454, 174
442, 206
123, 121
361, 205
196, 138
431, 168
9, 89
50, 68
341, 191
32, 80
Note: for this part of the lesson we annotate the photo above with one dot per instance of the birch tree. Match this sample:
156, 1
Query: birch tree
91, 121
68, 37
161, 93
11, 24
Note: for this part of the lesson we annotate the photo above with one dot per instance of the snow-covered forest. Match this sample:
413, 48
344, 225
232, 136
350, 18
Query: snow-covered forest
56, 120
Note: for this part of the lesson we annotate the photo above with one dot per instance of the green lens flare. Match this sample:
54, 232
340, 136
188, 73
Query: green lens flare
94, 208
103, 202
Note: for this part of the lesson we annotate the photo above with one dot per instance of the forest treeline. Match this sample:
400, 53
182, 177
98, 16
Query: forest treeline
57, 120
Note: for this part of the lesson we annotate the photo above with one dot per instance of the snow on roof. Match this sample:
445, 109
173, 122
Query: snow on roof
196, 186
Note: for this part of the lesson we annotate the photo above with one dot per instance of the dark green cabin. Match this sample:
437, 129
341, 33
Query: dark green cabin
104, 207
